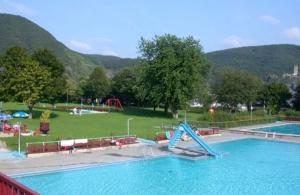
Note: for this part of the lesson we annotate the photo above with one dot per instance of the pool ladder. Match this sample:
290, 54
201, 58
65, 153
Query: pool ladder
147, 151
273, 135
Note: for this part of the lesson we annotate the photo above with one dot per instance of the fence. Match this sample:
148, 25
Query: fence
226, 124
71, 144
9, 186
229, 124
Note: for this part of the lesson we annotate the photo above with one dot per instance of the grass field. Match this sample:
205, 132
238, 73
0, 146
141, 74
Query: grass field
63, 125
66, 126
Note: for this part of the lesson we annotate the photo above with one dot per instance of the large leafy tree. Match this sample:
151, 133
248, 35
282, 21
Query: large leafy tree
57, 86
172, 67
25, 80
233, 87
10, 63
124, 85
296, 101
97, 85
30, 83
275, 95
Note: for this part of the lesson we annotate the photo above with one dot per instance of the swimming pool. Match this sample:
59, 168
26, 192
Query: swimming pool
252, 166
14, 154
285, 129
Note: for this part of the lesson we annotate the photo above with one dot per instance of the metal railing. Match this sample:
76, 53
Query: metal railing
229, 124
55, 146
9, 186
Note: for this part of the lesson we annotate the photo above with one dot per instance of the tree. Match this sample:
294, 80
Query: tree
296, 102
11, 63
97, 85
24, 79
172, 67
30, 83
276, 94
124, 85
233, 87
73, 91
57, 87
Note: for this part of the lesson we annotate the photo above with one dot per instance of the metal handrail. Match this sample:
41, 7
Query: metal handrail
99, 138
11, 186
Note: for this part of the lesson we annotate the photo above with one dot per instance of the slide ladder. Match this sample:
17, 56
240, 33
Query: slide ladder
184, 127
175, 138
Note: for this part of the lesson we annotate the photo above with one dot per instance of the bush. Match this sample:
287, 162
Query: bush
218, 116
291, 112
259, 113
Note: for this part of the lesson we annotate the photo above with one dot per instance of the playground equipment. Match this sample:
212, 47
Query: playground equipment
184, 127
115, 103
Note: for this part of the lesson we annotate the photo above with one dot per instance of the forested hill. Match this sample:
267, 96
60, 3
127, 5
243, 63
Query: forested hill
17, 30
263, 61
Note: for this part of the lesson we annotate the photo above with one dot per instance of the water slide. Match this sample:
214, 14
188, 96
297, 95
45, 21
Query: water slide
184, 127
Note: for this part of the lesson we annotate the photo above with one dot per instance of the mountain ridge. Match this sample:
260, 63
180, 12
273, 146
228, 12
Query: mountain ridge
263, 60
18, 30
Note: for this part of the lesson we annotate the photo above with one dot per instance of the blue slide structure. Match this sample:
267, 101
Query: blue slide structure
184, 127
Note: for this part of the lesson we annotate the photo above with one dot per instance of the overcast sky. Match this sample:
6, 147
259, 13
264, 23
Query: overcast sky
115, 27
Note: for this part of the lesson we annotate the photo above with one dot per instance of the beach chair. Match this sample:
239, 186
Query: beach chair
35, 148
67, 144
94, 143
80, 143
51, 147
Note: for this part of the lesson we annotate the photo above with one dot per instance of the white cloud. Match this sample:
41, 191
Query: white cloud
108, 52
101, 39
269, 19
292, 33
233, 41
78, 45
14, 7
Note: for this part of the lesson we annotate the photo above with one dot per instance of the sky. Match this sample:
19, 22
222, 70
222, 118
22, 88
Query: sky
114, 27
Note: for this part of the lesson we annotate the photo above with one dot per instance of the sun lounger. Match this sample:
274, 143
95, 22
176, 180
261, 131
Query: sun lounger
80, 143
122, 141
94, 143
106, 142
130, 140
51, 147
67, 144
35, 148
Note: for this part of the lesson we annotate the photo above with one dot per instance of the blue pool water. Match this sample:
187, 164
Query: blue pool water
286, 129
13, 154
252, 167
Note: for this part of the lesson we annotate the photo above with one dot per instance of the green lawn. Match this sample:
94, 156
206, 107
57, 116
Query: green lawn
66, 126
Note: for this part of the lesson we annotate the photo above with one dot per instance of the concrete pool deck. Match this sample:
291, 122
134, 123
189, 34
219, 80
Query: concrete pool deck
250, 130
81, 159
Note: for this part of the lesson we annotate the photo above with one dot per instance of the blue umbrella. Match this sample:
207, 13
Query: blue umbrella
20, 114
5, 117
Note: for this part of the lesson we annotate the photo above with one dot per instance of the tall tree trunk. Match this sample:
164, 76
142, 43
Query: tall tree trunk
30, 108
175, 113
166, 108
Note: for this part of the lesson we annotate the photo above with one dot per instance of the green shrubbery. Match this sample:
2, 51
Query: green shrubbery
291, 112
224, 119
218, 116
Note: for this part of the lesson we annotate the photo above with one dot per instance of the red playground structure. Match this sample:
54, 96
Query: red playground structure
114, 102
